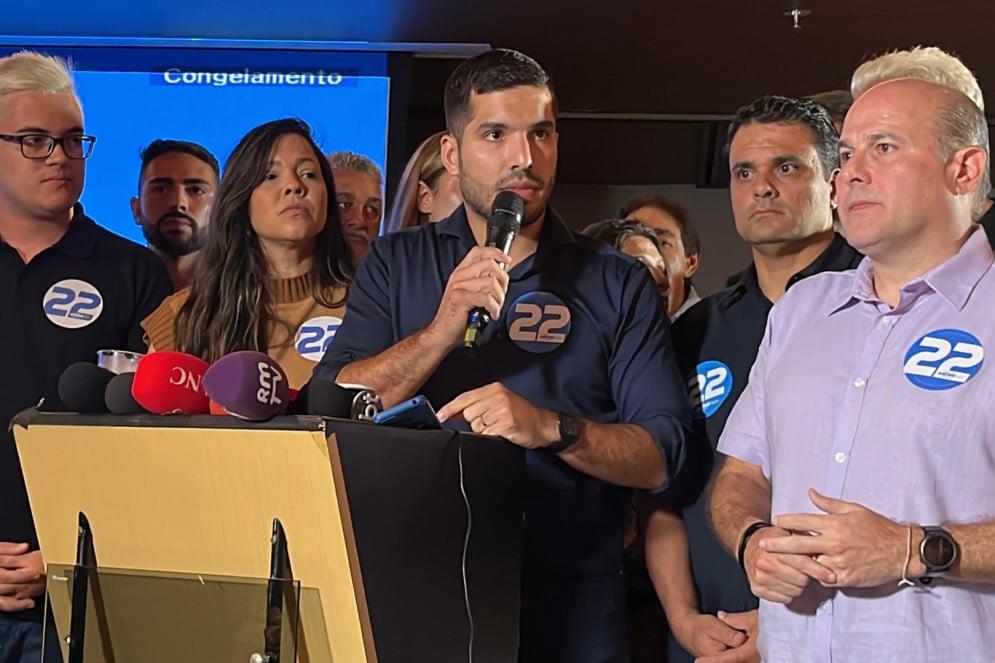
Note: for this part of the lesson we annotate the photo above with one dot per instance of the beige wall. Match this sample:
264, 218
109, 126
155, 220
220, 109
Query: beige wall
723, 252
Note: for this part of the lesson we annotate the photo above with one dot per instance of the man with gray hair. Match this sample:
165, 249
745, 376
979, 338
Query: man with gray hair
359, 192
68, 287
931, 64
856, 492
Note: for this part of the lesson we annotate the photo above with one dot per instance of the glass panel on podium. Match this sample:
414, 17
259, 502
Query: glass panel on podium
157, 617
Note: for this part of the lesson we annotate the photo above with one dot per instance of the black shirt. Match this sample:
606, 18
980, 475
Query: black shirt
85, 293
716, 343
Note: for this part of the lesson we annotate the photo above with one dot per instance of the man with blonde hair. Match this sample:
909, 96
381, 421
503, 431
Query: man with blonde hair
68, 287
926, 63
931, 64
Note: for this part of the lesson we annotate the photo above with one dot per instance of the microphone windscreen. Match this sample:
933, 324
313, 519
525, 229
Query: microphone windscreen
169, 382
118, 396
249, 385
329, 399
298, 400
81, 388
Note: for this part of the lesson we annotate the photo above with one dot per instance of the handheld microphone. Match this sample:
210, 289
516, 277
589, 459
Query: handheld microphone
118, 396
81, 388
169, 382
502, 226
248, 385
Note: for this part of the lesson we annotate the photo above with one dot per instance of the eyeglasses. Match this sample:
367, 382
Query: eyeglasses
41, 146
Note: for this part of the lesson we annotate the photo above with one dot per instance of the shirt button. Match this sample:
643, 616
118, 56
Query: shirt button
859, 382
840, 457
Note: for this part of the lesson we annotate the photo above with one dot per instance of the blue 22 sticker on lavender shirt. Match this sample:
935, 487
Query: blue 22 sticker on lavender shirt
943, 359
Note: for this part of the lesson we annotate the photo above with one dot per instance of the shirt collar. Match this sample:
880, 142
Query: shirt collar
738, 285
554, 231
692, 299
837, 257
79, 239
954, 280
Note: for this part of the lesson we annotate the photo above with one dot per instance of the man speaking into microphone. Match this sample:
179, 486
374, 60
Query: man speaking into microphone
575, 364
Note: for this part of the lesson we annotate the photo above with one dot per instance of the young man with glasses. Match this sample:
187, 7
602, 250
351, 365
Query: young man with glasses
68, 288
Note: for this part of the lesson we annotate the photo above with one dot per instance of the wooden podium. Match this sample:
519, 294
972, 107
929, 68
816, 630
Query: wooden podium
376, 521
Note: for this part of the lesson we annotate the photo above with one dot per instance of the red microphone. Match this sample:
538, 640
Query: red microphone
249, 385
168, 382
216, 408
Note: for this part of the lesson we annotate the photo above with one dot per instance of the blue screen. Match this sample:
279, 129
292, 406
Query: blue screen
133, 96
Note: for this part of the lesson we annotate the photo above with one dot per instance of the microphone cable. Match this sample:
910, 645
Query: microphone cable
466, 546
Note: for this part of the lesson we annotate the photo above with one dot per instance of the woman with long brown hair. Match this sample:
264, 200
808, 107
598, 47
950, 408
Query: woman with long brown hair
275, 273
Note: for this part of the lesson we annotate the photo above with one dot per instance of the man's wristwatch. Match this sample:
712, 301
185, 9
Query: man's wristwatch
937, 552
569, 426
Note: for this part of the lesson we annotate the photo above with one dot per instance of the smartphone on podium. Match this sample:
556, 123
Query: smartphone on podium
415, 412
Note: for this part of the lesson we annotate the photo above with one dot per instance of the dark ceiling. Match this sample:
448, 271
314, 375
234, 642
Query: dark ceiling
639, 81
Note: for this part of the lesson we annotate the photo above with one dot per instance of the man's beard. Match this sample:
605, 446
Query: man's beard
174, 245
480, 200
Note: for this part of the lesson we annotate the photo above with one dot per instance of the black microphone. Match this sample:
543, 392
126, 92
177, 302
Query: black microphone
502, 225
118, 398
81, 388
328, 399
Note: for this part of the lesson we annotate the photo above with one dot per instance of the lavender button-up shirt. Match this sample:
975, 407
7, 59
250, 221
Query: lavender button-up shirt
893, 409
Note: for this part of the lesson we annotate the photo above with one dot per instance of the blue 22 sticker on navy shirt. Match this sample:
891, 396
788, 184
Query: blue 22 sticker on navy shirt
710, 387
538, 322
943, 359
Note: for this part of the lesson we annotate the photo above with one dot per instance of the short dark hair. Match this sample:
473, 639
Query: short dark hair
689, 234
498, 69
615, 232
157, 148
775, 109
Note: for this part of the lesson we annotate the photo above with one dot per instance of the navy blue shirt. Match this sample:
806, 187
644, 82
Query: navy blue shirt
582, 332
85, 293
716, 344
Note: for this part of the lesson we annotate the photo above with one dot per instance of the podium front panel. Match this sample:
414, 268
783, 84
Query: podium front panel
196, 495
410, 521
375, 518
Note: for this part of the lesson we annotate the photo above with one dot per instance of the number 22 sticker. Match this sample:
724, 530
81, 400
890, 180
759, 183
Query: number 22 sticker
538, 322
72, 304
710, 387
943, 359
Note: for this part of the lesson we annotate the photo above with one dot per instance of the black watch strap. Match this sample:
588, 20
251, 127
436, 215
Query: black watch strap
747, 535
569, 429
